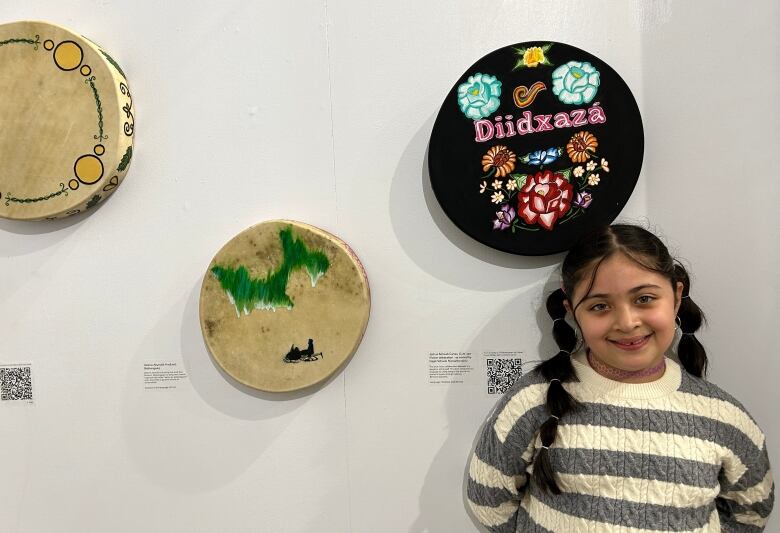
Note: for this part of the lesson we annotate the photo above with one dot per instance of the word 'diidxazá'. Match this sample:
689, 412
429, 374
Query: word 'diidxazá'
507, 126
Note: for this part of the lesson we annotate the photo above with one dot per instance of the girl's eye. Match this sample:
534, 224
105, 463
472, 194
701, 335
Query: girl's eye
645, 299
598, 307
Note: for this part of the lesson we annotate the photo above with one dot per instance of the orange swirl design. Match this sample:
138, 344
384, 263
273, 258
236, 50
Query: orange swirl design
524, 96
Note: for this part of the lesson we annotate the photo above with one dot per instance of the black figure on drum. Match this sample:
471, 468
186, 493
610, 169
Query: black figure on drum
296, 355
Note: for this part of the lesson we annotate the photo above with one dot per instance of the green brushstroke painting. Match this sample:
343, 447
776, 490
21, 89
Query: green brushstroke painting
269, 292
125, 159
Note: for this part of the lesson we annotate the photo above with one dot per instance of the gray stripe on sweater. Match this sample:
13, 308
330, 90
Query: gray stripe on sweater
506, 527
487, 496
757, 469
729, 524
762, 508
684, 424
701, 387
626, 513
527, 523
488, 445
633, 465
489, 448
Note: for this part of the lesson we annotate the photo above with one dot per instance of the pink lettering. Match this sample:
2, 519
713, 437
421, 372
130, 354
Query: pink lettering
504, 126
510, 126
524, 124
483, 129
596, 114
578, 117
562, 120
543, 122
499, 128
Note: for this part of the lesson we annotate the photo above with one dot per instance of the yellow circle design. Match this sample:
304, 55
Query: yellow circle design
88, 169
73, 184
86, 70
68, 55
100, 149
48, 44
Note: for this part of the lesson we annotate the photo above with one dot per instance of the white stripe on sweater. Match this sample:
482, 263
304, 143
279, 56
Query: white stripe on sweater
649, 442
522, 402
488, 476
754, 494
494, 516
638, 490
683, 402
678, 402
752, 519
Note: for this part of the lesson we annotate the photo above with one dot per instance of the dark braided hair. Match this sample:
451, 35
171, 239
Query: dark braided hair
584, 258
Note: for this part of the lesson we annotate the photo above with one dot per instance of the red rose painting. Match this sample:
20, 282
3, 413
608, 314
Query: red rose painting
544, 198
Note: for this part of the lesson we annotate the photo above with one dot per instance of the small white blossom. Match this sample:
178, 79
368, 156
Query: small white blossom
497, 184
578, 171
593, 179
511, 185
591, 166
497, 197
605, 165
482, 187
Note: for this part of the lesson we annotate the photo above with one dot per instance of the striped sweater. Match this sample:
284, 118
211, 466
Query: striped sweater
677, 454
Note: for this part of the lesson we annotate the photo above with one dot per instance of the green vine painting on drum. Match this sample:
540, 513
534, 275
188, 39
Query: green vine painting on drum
247, 293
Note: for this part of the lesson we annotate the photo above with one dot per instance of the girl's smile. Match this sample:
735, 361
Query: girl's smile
632, 344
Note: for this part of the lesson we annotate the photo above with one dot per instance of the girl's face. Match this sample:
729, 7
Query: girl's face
628, 317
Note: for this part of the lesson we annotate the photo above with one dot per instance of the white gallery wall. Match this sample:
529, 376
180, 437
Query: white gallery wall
321, 111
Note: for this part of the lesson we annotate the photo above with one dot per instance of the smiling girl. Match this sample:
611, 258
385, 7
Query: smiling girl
610, 434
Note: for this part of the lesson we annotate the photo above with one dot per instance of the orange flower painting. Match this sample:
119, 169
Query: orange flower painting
500, 158
581, 146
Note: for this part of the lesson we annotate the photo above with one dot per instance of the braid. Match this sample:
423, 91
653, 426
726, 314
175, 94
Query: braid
692, 354
559, 402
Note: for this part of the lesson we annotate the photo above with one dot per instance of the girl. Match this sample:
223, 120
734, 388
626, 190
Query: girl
610, 435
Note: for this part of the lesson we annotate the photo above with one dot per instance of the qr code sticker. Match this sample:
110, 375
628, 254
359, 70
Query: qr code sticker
502, 373
16, 383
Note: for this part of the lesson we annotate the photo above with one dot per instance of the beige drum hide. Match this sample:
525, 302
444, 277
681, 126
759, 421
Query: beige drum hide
283, 306
67, 122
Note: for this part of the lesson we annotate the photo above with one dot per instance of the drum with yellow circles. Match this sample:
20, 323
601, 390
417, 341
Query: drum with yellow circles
67, 122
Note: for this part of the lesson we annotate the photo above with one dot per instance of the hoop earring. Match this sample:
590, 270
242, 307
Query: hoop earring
677, 323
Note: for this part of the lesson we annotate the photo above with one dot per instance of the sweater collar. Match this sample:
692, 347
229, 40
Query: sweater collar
603, 386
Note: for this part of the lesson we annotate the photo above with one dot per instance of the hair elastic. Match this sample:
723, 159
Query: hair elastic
557, 319
555, 417
545, 447
686, 296
554, 379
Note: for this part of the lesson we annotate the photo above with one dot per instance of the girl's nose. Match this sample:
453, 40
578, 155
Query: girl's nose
627, 319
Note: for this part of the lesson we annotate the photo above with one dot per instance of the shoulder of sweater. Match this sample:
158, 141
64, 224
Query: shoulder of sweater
735, 414
701, 387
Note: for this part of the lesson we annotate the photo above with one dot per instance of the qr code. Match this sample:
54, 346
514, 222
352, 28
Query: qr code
16, 383
502, 373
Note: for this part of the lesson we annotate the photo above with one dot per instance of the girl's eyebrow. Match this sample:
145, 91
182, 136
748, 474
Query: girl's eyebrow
635, 289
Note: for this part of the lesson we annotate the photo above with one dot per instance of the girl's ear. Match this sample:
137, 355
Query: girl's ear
678, 296
567, 305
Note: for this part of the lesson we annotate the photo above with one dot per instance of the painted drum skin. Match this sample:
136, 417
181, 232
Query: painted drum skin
284, 306
535, 144
68, 122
